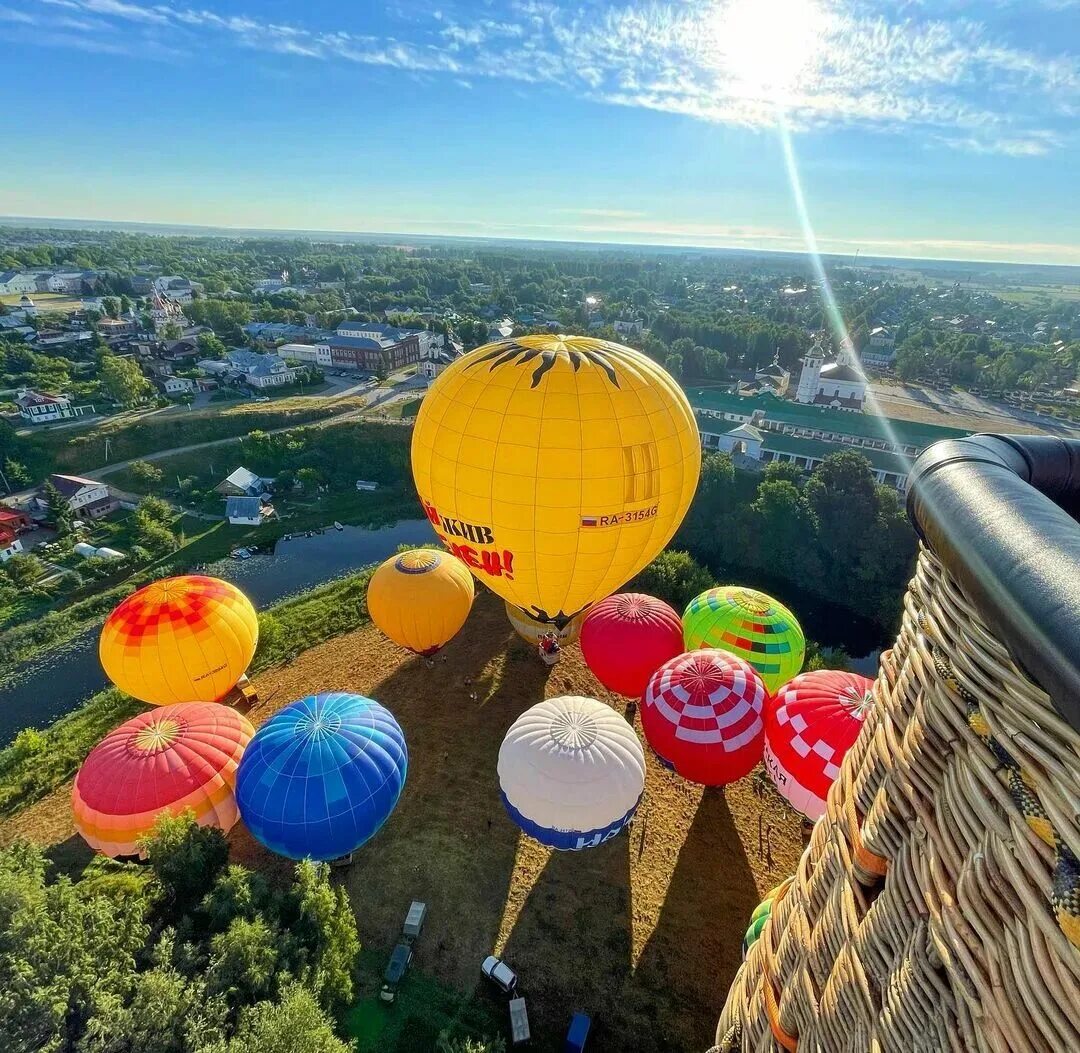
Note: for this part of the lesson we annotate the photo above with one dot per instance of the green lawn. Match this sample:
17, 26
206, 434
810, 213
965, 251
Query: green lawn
424, 1008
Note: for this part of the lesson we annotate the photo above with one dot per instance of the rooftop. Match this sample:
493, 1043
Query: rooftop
880, 459
865, 425
243, 507
69, 485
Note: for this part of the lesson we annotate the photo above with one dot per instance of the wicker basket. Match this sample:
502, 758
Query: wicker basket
936, 906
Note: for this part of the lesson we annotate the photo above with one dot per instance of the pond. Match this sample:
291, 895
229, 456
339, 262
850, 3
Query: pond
50, 686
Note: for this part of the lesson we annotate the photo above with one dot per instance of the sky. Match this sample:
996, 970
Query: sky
926, 128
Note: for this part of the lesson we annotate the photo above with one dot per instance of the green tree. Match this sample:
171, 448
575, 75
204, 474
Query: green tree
309, 479
110, 305
447, 1043
186, 858
123, 381
675, 577
783, 526
125, 304
23, 569
782, 471
210, 346
243, 961
146, 474
292, 1024
155, 510
60, 512
674, 365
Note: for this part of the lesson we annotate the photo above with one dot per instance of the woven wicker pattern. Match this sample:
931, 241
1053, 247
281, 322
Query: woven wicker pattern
936, 906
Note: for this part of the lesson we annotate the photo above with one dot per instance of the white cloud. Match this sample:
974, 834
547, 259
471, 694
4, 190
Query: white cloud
813, 63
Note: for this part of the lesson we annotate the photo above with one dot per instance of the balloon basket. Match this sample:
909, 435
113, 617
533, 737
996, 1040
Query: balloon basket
550, 659
243, 697
342, 861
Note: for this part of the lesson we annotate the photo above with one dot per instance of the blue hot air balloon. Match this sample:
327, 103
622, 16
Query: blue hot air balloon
572, 772
322, 775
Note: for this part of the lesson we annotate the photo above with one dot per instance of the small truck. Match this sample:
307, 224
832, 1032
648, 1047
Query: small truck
402, 955
519, 1021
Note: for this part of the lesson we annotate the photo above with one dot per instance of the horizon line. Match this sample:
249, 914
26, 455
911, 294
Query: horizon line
115, 224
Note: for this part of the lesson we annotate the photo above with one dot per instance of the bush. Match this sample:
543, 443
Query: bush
674, 577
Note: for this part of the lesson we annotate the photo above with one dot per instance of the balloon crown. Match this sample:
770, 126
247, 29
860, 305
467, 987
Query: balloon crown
546, 351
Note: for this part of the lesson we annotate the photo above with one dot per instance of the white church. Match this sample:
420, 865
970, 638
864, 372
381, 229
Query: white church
838, 385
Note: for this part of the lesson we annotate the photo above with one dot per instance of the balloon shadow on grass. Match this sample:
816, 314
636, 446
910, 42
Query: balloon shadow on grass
690, 959
571, 943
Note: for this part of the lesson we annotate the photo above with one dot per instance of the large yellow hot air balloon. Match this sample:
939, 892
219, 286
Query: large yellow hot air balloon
555, 467
420, 598
185, 639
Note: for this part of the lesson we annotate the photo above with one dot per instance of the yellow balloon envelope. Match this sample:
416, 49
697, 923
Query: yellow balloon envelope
420, 598
530, 630
555, 467
185, 639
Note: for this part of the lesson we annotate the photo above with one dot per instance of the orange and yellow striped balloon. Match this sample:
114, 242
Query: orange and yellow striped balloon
167, 759
186, 639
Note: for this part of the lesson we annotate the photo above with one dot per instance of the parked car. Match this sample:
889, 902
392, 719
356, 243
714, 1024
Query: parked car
263, 398
395, 970
499, 973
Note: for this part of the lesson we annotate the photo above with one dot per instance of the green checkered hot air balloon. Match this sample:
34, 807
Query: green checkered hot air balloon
751, 625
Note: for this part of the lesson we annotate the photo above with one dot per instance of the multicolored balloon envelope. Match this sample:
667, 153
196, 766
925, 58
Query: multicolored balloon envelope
420, 598
757, 628
555, 467
186, 639
809, 726
530, 630
572, 772
627, 637
322, 775
166, 760
702, 715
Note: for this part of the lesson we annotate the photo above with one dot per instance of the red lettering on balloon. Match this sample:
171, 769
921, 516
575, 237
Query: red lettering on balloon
429, 511
508, 562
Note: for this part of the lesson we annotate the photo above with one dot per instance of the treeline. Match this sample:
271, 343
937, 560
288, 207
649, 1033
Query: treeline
188, 955
836, 535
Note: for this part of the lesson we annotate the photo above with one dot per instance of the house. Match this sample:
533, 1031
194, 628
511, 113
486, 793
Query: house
174, 387
117, 328
18, 282
628, 328
260, 371
376, 346
838, 384
173, 287
275, 332
63, 337
500, 330
185, 350
15, 521
43, 408
433, 366
10, 545
772, 379
880, 349
88, 497
246, 511
309, 354
242, 483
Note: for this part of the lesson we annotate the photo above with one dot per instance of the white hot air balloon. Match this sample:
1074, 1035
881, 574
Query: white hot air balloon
572, 772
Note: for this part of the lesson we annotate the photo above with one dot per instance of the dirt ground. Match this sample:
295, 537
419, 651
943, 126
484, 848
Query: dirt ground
643, 932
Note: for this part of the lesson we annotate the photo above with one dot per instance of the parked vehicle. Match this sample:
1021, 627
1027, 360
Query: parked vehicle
499, 973
578, 1033
519, 1022
414, 920
400, 958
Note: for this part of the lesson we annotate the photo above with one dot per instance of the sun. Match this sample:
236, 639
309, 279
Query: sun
763, 49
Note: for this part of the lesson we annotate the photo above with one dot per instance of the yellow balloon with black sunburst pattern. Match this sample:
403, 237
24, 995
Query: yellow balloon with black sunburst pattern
555, 467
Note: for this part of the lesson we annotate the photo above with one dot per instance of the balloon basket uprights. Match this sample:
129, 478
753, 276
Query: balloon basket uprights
243, 697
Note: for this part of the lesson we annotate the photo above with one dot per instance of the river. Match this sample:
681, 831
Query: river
50, 686
54, 684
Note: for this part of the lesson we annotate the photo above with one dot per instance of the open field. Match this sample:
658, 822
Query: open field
644, 931
45, 301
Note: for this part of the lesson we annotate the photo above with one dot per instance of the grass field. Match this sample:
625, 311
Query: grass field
643, 932
45, 301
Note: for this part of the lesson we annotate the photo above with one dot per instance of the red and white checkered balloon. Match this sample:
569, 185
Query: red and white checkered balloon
702, 715
809, 725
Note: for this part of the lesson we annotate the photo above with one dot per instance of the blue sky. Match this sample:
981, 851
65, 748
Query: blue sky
935, 128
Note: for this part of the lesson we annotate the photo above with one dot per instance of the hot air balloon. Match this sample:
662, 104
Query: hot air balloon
572, 772
420, 598
702, 715
751, 625
186, 639
809, 726
322, 775
167, 759
555, 467
530, 630
761, 915
627, 637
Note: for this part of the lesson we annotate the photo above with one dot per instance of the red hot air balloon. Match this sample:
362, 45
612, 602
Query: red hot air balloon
809, 726
627, 637
167, 759
702, 715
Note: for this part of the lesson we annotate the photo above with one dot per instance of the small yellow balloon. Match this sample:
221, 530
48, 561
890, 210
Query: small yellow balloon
420, 598
555, 467
185, 639
530, 630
